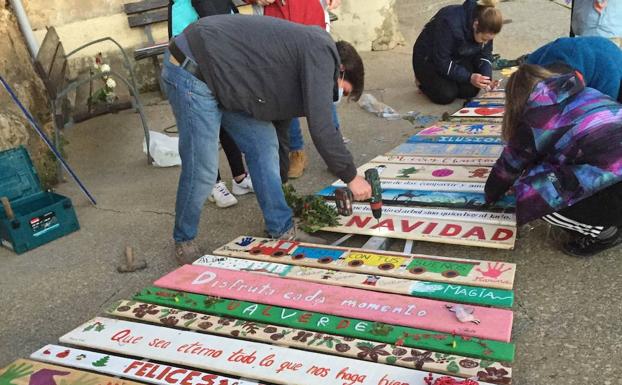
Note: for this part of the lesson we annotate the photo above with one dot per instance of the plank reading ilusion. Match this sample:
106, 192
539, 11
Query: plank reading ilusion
428, 172
235, 357
390, 264
441, 160
27, 372
423, 289
448, 150
488, 350
495, 140
491, 323
318, 342
447, 199
152, 373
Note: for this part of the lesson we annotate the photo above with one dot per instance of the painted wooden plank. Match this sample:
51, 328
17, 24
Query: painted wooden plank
434, 160
475, 119
426, 172
497, 94
448, 199
495, 324
424, 289
151, 373
248, 359
495, 140
449, 150
27, 372
485, 103
413, 214
448, 129
488, 350
480, 112
318, 342
390, 264
429, 230
426, 185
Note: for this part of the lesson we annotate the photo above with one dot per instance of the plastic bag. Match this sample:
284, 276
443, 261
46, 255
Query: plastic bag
369, 103
164, 149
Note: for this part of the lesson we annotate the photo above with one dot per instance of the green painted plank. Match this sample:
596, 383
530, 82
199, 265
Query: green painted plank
398, 335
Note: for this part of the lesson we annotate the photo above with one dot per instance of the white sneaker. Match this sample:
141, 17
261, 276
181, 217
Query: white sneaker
244, 187
221, 196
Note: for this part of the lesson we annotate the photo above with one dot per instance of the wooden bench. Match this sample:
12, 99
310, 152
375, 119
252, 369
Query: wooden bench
51, 65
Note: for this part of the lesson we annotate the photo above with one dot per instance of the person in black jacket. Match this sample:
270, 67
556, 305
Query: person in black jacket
243, 72
452, 57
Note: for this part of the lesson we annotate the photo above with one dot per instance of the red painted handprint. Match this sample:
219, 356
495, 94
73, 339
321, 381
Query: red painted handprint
494, 271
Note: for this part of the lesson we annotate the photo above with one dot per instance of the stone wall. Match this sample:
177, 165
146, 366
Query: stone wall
18, 71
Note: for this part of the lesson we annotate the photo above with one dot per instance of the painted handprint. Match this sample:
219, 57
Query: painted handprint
494, 271
46, 377
13, 372
245, 241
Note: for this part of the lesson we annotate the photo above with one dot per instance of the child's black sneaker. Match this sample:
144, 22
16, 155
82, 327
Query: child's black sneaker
586, 246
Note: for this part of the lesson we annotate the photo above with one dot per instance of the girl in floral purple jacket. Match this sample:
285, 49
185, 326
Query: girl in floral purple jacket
563, 157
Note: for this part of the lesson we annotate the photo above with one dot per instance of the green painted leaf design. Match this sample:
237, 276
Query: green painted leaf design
391, 360
485, 363
453, 367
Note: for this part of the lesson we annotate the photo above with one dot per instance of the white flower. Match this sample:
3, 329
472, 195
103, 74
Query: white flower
110, 83
105, 68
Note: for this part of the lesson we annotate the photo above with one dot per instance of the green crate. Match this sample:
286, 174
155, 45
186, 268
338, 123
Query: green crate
40, 216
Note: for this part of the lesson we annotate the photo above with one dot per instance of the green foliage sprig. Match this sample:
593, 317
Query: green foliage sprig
312, 210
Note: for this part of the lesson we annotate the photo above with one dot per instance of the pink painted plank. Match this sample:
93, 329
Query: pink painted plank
421, 313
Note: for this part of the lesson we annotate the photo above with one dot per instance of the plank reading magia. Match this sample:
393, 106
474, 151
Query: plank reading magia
428, 172
149, 372
447, 199
488, 350
390, 264
448, 150
480, 112
441, 160
241, 358
426, 229
485, 103
495, 140
432, 290
318, 342
453, 129
27, 372
441, 316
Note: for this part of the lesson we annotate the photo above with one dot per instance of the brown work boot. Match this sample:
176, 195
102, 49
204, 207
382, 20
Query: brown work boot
186, 252
296, 234
297, 163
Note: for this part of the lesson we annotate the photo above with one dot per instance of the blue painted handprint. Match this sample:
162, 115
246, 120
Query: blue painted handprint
245, 241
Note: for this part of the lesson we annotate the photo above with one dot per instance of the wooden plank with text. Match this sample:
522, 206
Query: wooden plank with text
448, 150
454, 129
481, 322
241, 358
390, 264
493, 140
152, 373
27, 372
497, 94
317, 342
423, 289
485, 103
480, 112
397, 222
477, 187
488, 350
434, 160
446, 199
428, 172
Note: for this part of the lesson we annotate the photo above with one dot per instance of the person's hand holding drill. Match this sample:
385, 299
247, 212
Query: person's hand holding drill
360, 188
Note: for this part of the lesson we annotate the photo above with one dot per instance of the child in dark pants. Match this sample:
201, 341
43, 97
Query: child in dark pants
563, 157
452, 57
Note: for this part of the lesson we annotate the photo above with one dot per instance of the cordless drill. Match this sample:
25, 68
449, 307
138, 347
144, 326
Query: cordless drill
344, 197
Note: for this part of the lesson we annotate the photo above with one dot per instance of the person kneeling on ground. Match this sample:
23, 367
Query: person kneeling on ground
242, 73
452, 57
563, 157
598, 59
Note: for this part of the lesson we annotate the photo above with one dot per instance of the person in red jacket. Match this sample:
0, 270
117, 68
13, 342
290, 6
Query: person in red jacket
291, 143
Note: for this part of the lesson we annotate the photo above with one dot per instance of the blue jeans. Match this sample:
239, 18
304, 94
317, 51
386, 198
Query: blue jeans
296, 141
198, 120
